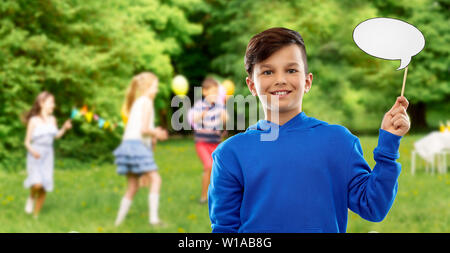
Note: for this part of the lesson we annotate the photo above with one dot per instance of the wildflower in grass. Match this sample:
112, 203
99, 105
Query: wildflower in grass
99, 229
181, 230
83, 204
192, 216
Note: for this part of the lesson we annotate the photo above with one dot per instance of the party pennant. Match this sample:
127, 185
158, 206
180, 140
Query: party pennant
88, 116
84, 110
74, 113
101, 122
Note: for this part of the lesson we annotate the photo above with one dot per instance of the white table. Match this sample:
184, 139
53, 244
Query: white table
432, 146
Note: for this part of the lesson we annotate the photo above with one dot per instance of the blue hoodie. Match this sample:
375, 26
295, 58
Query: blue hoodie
304, 181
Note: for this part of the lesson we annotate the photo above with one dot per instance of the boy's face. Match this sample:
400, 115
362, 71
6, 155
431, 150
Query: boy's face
211, 94
281, 75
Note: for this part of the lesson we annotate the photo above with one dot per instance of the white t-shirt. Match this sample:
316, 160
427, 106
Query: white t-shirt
133, 130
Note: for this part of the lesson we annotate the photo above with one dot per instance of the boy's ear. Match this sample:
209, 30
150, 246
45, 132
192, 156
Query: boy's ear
308, 82
251, 85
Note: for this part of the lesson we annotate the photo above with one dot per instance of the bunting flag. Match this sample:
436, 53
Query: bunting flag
101, 122
89, 116
74, 113
84, 110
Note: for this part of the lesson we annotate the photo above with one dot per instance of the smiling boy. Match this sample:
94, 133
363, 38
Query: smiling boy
306, 179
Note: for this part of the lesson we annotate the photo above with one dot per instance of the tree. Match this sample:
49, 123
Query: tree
84, 52
325, 28
428, 84
350, 87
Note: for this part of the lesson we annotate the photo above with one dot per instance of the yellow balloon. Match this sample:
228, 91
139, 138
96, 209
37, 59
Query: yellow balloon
229, 86
180, 85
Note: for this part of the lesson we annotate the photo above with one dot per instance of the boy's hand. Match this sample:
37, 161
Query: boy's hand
396, 121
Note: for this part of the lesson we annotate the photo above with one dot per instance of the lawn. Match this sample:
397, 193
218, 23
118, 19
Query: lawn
86, 197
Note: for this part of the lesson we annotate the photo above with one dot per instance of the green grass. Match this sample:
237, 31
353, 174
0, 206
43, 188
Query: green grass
86, 197
422, 203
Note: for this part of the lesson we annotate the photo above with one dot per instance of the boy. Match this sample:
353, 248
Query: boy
306, 179
209, 117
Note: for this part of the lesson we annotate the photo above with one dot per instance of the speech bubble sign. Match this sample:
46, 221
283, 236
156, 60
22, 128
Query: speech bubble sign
389, 39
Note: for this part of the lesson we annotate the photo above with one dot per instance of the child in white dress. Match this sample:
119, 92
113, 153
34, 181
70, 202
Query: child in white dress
41, 131
134, 156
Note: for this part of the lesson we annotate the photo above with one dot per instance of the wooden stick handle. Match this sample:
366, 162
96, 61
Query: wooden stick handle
404, 80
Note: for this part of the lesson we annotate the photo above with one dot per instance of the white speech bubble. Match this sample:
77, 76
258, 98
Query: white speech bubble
389, 39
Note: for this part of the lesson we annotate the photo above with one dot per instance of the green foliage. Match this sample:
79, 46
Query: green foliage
85, 53
350, 87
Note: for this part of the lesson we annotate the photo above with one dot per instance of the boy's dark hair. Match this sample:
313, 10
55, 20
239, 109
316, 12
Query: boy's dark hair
209, 82
264, 44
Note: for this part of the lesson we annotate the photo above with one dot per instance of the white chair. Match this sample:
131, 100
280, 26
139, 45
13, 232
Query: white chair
433, 149
439, 159
442, 161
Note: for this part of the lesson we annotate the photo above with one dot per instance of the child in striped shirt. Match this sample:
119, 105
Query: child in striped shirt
209, 116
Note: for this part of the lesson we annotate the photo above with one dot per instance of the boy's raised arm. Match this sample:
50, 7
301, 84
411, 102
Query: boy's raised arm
372, 193
225, 197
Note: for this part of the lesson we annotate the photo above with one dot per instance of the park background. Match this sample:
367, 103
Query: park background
86, 52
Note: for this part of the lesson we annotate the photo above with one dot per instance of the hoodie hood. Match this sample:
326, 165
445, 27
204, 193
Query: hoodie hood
299, 121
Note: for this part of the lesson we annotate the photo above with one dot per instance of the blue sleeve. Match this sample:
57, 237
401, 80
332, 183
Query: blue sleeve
224, 195
372, 193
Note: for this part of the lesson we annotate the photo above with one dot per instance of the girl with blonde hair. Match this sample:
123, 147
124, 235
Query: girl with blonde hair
134, 156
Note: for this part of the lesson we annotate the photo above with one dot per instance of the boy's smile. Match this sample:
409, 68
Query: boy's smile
281, 93
281, 76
